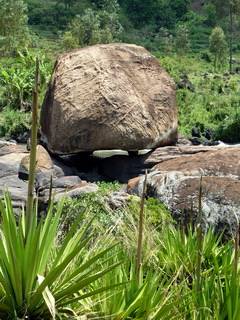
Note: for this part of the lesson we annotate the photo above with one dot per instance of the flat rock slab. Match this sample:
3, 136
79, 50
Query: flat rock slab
11, 155
16, 188
160, 155
216, 162
123, 168
14, 162
176, 182
11, 147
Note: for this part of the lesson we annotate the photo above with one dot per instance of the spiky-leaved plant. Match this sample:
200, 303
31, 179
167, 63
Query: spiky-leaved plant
39, 277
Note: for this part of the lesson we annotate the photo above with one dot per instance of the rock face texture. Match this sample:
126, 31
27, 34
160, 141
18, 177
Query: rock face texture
10, 157
174, 178
114, 96
14, 163
43, 162
176, 182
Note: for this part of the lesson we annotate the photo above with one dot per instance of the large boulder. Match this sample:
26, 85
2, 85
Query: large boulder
113, 96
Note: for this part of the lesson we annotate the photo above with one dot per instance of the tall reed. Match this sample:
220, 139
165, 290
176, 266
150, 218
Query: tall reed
33, 151
140, 230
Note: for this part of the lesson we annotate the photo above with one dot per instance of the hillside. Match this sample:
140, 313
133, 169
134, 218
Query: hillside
119, 159
57, 26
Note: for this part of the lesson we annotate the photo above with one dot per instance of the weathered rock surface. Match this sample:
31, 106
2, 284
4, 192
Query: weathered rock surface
176, 182
114, 96
218, 162
43, 162
174, 178
14, 165
10, 157
60, 190
123, 168
118, 199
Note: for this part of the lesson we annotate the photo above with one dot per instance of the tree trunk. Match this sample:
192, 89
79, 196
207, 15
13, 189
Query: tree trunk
231, 38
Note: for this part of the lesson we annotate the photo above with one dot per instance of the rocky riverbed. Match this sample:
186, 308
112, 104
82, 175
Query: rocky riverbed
118, 96
174, 175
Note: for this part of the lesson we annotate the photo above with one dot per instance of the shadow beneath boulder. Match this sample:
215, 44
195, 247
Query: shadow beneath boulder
114, 168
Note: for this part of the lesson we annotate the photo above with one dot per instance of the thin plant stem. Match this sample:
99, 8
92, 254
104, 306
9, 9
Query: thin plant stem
50, 192
140, 230
236, 250
33, 151
199, 240
231, 37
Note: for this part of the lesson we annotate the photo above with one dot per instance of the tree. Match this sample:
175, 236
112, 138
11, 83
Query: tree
182, 42
94, 26
165, 40
210, 13
218, 47
234, 9
140, 12
13, 25
158, 13
230, 9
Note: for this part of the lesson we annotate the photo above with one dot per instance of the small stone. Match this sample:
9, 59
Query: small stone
118, 200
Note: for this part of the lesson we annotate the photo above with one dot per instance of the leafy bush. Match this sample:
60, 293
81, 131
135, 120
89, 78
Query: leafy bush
218, 47
16, 80
214, 103
13, 123
14, 33
94, 26
229, 129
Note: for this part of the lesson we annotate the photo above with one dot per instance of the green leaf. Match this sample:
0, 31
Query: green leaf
48, 298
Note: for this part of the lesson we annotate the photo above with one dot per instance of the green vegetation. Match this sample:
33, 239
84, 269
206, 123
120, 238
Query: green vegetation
40, 277
79, 261
193, 39
14, 32
16, 79
218, 47
189, 41
88, 269
13, 123
94, 26
213, 106
182, 44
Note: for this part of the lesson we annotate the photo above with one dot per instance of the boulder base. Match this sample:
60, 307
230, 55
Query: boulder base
114, 96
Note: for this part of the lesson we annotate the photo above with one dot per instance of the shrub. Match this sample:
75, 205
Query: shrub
16, 80
13, 123
182, 42
218, 47
229, 129
13, 26
94, 26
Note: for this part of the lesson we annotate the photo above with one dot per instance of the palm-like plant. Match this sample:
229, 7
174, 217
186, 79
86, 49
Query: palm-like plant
38, 277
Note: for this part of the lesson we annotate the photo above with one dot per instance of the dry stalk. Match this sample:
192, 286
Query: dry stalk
140, 230
33, 151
